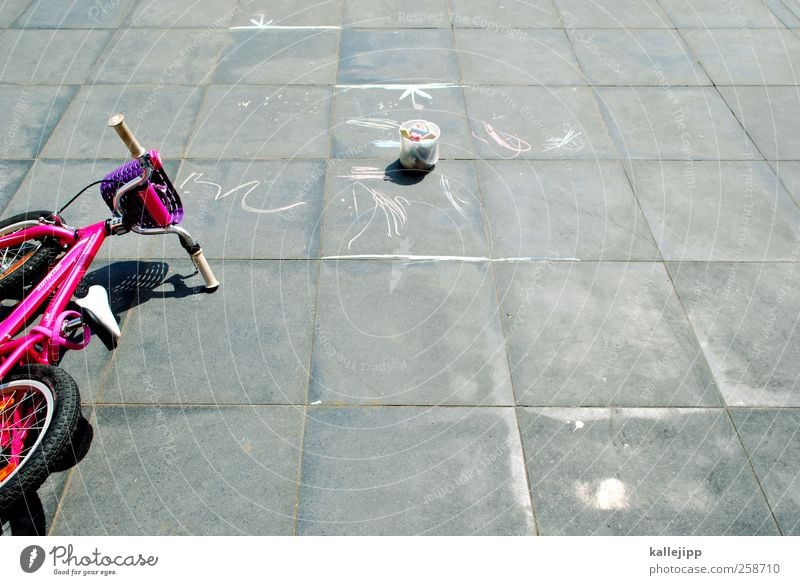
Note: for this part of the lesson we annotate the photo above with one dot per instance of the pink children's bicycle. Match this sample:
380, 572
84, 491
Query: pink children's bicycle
42, 262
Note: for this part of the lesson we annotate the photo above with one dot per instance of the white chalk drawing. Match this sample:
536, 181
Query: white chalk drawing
247, 188
508, 141
261, 24
245, 104
412, 91
571, 142
380, 123
454, 200
362, 173
386, 143
393, 208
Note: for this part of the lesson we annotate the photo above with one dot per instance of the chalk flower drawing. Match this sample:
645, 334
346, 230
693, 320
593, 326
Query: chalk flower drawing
505, 140
393, 208
248, 188
571, 142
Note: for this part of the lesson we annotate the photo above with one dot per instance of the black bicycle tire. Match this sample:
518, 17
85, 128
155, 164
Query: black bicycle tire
25, 518
32, 270
58, 436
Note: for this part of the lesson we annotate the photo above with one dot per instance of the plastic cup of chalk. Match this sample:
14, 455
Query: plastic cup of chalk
419, 144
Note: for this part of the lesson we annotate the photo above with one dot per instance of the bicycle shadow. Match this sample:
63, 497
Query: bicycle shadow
130, 283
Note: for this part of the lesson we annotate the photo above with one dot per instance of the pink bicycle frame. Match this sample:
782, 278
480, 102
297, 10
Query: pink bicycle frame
44, 341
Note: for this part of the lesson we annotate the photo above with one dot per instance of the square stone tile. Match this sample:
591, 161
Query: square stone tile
413, 212
11, 174
160, 117
279, 56
508, 15
288, 13
717, 211
408, 333
397, 56
747, 57
767, 113
258, 122
688, 123
179, 56
600, 334
51, 183
248, 343
533, 57
169, 471
712, 14
38, 56
252, 210
563, 209
641, 472
391, 14
367, 119
537, 122
636, 57
74, 14
627, 14
31, 114
215, 14
745, 316
387, 471
771, 439
705, 210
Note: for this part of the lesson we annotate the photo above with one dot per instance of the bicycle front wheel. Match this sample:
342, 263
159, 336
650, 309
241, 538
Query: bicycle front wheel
39, 415
26, 263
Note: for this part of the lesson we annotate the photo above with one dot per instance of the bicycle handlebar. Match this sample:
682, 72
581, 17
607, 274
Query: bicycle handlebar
117, 122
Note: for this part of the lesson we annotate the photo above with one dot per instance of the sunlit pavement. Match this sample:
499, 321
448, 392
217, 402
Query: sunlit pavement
582, 321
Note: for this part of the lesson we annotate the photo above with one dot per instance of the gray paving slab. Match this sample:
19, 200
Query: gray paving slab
38, 56
415, 213
745, 317
398, 332
279, 56
397, 56
211, 14
627, 14
507, 15
391, 14
747, 57
770, 436
636, 57
251, 210
366, 119
673, 123
31, 114
413, 471
641, 471
261, 122
711, 14
563, 209
172, 471
535, 122
717, 210
51, 183
767, 113
600, 334
11, 174
74, 14
249, 343
175, 56
160, 117
532, 57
